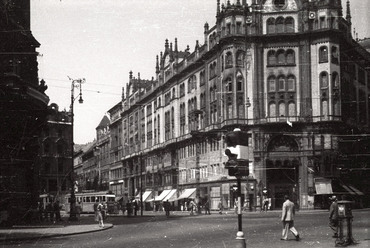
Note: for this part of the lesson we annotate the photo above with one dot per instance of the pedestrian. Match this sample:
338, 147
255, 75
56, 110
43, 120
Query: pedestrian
166, 206
96, 209
135, 205
50, 211
287, 219
99, 210
206, 208
333, 216
192, 206
265, 204
56, 209
220, 207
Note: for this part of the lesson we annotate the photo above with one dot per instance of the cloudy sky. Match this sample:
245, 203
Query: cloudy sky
102, 40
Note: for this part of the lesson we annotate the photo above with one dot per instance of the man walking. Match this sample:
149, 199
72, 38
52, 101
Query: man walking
333, 216
166, 206
287, 218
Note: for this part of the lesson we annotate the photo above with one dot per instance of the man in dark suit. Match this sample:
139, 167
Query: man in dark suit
287, 218
333, 216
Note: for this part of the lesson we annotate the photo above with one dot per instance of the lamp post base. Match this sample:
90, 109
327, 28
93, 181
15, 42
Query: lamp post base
240, 240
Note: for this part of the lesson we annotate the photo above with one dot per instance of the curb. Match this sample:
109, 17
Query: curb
42, 236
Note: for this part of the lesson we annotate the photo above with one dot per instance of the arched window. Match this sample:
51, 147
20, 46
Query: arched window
336, 107
229, 107
240, 59
280, 25
229, 60
280, 57
270, 25
282, 109
289, 25
271, 58
291, 109
335, 80
290, 57
291, 83
334, 55
272, 109
271, 81
324, 108
324, 79
323, 54
239, 83
229, 85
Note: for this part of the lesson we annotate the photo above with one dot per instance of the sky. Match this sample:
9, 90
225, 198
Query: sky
103, 40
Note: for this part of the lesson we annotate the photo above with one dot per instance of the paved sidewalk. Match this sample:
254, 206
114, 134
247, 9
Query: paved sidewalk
85, 224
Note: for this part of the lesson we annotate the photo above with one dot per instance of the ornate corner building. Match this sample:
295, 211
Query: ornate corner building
23, 110
286, 71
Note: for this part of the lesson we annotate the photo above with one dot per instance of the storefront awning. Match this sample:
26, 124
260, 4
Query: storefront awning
117, 199
161, 196
146, 194
323, 186
356, 190
171, 196
188, 193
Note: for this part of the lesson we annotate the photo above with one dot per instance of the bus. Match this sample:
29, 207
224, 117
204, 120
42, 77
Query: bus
85, 201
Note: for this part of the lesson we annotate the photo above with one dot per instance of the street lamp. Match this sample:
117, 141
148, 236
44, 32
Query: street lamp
76, 83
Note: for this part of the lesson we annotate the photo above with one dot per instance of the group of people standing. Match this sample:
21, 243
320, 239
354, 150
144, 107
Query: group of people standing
51, 212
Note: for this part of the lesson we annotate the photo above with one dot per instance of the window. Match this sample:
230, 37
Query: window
323, 54
289, 25
229, 85
324, 80
240, 59
271, 25
238, 27
280, 25
271, 84
272, 109
229, 60
239, 83
279, 4
335, 80
291, 83
291, 109
322, 22
271, 58
334, 55
290, 57
281, 57
282, 109
281, 83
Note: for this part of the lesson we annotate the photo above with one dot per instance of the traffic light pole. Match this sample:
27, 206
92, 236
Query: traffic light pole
240, 240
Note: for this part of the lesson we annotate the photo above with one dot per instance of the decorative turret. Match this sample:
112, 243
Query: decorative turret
157, 65
348, 15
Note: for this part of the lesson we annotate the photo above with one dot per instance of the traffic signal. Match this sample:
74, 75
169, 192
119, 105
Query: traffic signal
238, 153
